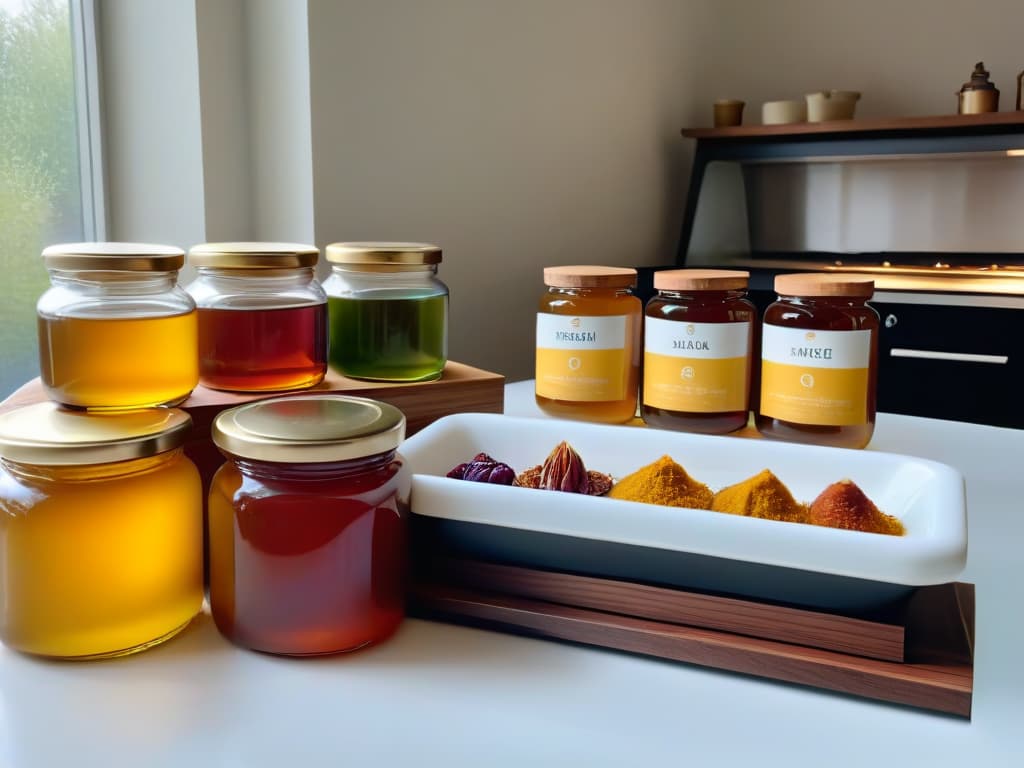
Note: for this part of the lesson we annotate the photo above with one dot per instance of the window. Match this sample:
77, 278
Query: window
49, 159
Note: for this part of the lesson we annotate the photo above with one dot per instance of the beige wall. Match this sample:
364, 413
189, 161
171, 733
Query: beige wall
907, 57
513, 134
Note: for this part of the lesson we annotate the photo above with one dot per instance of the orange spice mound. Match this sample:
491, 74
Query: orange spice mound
663, 482
762, 495
844, 505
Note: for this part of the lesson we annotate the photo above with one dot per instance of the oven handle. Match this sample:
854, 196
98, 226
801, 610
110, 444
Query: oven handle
960, 357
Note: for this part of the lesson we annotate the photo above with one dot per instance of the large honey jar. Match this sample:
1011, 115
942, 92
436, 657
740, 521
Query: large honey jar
307, 524
819, 361
698, 334
115, 330
588, 344
262, 316
101, 532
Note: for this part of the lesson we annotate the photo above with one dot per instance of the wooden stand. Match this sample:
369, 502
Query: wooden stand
919, 653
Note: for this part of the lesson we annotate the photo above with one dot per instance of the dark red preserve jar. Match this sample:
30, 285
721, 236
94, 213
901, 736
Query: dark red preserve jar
308, 524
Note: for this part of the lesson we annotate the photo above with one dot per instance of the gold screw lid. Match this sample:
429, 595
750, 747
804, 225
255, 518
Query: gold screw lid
701, 280
309, 429
253, 255
822, 284
120, 257
47, 435
383, 254
589, 276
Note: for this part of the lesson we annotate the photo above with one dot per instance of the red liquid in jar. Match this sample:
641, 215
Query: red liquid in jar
252, 350
308, 560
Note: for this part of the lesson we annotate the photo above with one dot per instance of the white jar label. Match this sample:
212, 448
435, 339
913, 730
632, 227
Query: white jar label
583, 359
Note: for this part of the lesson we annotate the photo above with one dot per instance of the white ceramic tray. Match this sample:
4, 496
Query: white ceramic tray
689, 547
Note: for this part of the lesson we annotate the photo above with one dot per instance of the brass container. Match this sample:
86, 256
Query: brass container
979, 94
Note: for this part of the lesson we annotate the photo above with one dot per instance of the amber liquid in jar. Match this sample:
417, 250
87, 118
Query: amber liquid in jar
308, 559
729, 378
99, 560
118, 362
814, 314
578, 382
256, 350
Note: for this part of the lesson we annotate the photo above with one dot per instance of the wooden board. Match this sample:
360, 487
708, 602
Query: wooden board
937, 673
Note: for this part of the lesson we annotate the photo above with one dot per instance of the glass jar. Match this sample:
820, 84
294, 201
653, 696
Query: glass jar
588, 344
698, 337
115, 330
262, 316
308, 523
101, 532
388, 311
819, 361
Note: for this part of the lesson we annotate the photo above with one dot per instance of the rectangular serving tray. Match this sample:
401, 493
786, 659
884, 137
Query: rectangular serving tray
687, 548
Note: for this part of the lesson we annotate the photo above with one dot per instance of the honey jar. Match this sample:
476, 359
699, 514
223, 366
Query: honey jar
307, 524
388, 311
101, 534
698, 333
262, 316
115, 330
588, 344
819, 361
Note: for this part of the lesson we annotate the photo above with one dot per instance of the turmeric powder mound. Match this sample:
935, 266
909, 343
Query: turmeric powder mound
762, 495
663, 482
844, 505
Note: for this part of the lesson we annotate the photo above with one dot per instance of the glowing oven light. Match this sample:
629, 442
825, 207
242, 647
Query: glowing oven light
1015, 153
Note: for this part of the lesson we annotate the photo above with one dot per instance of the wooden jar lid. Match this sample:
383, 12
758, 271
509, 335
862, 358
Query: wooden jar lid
823, 284
701, 280
589, 276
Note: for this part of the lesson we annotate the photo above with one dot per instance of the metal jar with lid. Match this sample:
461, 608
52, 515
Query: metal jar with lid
698, 340
819, 361
307, 524
388, 311
262, 316
115, 330
101, 532
588, 343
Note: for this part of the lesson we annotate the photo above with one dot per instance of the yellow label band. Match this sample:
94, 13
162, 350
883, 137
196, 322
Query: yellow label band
695, 385
820, 396
582, 375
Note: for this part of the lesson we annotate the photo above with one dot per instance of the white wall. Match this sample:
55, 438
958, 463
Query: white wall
513, 134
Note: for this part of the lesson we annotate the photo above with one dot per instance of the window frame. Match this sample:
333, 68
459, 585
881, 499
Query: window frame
88, 115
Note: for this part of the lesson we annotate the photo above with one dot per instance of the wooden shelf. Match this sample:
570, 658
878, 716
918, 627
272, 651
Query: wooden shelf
949, 123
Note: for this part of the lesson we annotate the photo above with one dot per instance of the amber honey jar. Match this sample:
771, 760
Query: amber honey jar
262, 316
819, 361
698, 333
307, 524
101, 533
588, 344
115, 330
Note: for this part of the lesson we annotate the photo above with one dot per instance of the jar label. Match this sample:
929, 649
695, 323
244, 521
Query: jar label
582, 359
815, 377
696, 367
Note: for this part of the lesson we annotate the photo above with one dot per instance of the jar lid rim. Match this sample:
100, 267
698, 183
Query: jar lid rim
824, 284
309, 428
48, 435
113, 256
253, 255
701, 279
589, 276
383, 253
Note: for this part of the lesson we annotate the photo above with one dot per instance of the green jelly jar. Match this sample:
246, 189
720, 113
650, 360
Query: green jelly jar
388, 311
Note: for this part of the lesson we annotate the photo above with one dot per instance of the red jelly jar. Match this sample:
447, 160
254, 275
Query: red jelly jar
308, 524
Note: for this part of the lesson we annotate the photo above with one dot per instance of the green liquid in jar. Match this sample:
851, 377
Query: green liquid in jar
394, 339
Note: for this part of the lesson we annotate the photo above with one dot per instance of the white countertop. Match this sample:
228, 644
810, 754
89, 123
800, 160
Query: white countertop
445, 695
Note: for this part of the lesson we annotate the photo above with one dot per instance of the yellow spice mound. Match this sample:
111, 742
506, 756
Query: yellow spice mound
663, 482
762, 495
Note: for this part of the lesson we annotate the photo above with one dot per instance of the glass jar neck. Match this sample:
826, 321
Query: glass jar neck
285, 277
114, 282
382, 272
586, 291
313, 471
80, 473
825, 301
703, 297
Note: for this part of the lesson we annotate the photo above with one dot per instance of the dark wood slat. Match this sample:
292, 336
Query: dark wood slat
945, 687
858, 636
865, 125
